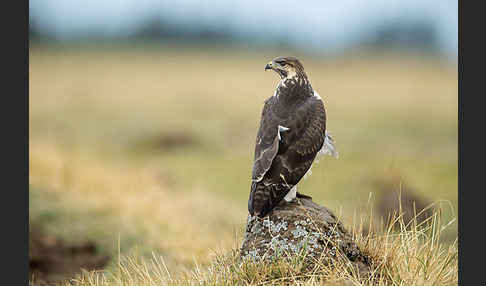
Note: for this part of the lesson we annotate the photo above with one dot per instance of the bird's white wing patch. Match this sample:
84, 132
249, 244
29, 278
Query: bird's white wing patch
281, 129
316, 94
328, 147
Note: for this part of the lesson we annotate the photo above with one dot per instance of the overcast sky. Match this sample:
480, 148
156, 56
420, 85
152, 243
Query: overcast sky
324, 24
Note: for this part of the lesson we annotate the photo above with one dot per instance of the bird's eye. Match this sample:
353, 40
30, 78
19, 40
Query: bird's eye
282, 64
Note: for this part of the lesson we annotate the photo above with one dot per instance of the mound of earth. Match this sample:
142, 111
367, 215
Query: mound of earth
404, 200
51, 260
165, 142
299, 227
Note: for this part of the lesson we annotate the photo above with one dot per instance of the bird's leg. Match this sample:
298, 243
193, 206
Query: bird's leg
290, 196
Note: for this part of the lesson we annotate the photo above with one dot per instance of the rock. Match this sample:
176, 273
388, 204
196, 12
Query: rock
300, 227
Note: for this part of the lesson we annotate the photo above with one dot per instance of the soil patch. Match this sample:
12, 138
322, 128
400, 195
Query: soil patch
51, 260
393, 194
169, 141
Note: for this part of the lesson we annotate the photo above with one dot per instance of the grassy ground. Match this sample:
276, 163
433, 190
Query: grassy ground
104, 165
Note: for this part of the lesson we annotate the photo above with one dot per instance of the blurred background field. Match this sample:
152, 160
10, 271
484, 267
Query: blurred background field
145, 143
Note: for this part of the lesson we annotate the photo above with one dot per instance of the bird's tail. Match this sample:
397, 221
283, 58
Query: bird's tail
328, 148
263, 198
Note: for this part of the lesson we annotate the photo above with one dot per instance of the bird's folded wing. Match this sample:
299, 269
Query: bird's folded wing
267, 143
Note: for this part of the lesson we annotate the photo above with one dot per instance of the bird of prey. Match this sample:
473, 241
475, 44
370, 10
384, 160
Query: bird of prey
292, 133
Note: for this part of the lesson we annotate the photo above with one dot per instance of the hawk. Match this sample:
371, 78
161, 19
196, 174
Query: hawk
292, 133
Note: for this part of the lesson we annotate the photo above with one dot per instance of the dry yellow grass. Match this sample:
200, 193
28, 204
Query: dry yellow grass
131, 203
91, 177
412, 256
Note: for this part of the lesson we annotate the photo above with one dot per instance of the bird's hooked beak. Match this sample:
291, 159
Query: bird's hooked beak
269, 66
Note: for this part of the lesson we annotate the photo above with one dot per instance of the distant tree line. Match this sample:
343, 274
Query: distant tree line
406, 35
400, 35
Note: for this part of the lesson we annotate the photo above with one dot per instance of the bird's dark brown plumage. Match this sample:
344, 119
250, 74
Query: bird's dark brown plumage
283, 157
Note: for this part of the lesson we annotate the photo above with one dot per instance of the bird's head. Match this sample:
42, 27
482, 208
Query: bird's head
286, 67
